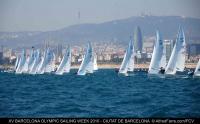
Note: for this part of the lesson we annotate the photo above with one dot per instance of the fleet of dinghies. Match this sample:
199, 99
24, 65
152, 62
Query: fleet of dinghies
40, 63
44, 62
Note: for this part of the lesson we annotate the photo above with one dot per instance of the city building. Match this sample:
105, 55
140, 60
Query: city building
138, 42
193, 49
168, 44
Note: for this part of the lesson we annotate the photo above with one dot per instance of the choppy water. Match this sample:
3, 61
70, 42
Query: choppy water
102, 94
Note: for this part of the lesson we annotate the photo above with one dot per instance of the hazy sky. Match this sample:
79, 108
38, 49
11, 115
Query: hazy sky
44, 15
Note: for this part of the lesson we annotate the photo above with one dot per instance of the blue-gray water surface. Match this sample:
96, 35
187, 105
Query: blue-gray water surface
101, 94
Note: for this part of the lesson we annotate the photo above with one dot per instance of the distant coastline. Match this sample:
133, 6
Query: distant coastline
137, 66
108, 66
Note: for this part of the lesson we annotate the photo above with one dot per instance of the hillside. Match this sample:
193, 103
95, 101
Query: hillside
118, 30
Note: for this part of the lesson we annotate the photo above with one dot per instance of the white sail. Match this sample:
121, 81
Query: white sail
49, 62
158, 59
180, 65
65, 64
28, 63
197, 70
163, 61
177, 59
31, 60
36, 62
130, 66
53, 65
128, 61
87, 63
25, 67
123, 68
21, 62
17, 62
40, 67
95, 63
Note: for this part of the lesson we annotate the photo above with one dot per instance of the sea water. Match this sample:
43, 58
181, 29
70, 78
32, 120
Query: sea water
101, 94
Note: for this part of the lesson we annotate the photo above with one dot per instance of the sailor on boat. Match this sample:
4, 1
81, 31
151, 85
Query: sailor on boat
116, 70
162, 70
191, 73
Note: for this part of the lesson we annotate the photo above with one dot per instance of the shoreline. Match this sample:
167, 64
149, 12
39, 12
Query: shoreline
137, 66
109, 66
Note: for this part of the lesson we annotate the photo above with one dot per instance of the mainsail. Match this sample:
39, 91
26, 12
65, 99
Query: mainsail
177, 59
128, 61
36, 62
65, 63
21, 62
158, 59
40, 67
49, 61
25, 67
31, 60
87, 63
197, 70
95, 62
17, 62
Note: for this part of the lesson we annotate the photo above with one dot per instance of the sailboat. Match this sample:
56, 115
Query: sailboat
40, 67
21, 63
17, 62
95, 63
49, 61
87, 63
28, 62
197, 69
177, 58
158, 60
128, 61
36, 62
65, 64
25, 67
31, 59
